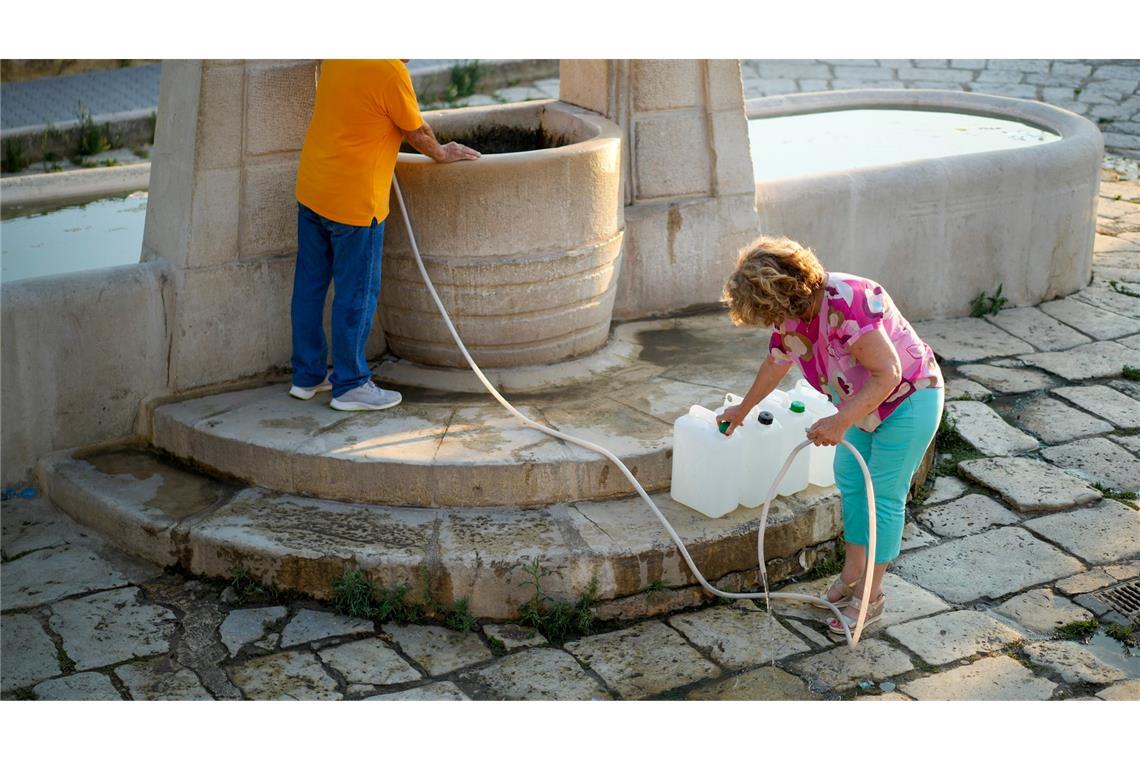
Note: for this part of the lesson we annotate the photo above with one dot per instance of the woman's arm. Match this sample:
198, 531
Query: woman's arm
875, 352
768, 377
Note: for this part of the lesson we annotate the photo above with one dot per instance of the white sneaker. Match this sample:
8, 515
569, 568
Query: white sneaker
307, 393
364, 398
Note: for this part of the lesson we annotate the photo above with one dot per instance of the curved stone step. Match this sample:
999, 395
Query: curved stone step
156, 510
461, 449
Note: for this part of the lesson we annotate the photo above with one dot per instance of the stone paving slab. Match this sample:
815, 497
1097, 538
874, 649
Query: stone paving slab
438, 650
763, 684
840, 668
992, 678
969, 339
1073, 662
296, 675
1098, 460
368, 662
246, 626
738, 636
987, 432
1129, 442
536, 674
643, 660
27, 654
1040, 611
941, 639
1037, 328
1104, 401
433, 692
1132, 341
34, 524
1097, 578
1109, 300
1055, 422
1127, 387
52, 574
111, 627
1093, 360
161, 679
988, 565
1100, 324
1029, 485
314, 625
1125, 690
946, 487
962, 517
1007, 379
967, 390
1108, 532
915, 537
81, 686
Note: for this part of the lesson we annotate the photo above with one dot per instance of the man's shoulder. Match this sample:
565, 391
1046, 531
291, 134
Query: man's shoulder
376, 70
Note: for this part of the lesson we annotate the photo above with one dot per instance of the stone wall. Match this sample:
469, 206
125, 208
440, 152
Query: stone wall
1106, 91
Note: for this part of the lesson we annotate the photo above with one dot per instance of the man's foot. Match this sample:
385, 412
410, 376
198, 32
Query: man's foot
364, 398
307, 393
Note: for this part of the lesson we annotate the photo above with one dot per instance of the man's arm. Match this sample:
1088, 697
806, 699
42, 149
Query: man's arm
423, 140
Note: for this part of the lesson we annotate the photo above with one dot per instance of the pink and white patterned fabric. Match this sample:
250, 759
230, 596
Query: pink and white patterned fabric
853, 307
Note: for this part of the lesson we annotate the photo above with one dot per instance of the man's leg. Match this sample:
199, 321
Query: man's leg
310, 289
356, 277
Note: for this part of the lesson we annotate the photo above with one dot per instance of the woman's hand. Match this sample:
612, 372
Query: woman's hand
734, 415
827, 431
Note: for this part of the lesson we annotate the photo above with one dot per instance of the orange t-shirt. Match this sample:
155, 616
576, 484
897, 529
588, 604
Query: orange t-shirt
363, 109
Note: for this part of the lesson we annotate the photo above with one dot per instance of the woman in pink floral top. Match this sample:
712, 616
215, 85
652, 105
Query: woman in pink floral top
851, 343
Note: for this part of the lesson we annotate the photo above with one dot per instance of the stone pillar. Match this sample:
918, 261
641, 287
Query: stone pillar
223, 213
688, 184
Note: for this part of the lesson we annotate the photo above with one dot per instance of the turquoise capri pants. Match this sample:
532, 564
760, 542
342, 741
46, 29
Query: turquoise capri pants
892, 453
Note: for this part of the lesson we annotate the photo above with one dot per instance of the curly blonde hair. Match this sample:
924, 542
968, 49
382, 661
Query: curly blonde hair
776, 278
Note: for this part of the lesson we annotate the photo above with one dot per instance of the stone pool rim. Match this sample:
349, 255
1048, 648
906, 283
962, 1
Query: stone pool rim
1022, 216
1070, 127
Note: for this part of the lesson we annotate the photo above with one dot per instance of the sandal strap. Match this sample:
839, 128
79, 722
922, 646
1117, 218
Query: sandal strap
875, 606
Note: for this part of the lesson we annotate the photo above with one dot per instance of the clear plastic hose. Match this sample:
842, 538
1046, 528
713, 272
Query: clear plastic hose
851, 636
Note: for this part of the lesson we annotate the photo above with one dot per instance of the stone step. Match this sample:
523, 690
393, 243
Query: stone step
456, 448
157, 510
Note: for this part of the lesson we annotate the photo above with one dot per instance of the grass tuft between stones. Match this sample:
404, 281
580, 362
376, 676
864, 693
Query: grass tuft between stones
951, 448
557, 620
357, 596
1078, 630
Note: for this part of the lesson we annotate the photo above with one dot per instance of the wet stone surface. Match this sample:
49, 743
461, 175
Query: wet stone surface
433, 692
738, 636
841, 668
286, 675
161, 679
536, 674
1072, 662
1041, 611
763, 684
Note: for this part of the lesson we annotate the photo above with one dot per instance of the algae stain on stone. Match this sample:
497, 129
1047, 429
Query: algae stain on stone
291, 423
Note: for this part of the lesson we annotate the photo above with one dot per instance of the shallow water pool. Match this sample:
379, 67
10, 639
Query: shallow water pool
41, 241
803, 144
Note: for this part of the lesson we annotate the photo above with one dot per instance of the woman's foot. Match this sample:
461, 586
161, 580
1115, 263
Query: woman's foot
838, 593
851, 615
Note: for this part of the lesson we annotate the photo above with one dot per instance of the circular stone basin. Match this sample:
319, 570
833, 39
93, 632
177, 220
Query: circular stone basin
936, 216
523, 245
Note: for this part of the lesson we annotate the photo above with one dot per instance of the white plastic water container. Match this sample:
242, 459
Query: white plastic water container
821, 469
794, 427
707, 464
763, 437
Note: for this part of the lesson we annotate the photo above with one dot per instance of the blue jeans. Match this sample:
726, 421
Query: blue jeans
892, 453
349, 257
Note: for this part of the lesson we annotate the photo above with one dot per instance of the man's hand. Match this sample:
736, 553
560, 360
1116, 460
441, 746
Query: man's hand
453, 151
423, 140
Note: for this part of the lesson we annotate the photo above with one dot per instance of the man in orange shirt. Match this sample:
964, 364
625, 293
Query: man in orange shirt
364, 110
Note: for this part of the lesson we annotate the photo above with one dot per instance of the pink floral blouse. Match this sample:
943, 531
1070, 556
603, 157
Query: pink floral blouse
853, 307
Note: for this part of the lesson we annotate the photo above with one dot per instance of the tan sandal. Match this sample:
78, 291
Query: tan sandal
847, 590
874, 615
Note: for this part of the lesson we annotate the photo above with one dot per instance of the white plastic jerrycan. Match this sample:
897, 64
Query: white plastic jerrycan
706, 464
763, 437
821, 469
797, 420
772, 447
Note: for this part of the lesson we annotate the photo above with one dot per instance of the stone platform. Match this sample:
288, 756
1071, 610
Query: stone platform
448, 486
450, 444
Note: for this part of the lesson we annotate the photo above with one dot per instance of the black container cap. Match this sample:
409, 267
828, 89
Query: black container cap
766, 418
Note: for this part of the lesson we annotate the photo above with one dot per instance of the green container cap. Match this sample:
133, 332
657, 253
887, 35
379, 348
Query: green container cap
798, 407
723, 427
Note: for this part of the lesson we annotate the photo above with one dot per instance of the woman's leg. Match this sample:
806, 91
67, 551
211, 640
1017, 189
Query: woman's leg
853, 494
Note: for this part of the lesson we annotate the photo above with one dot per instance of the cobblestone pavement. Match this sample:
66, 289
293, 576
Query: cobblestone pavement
1004, 547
